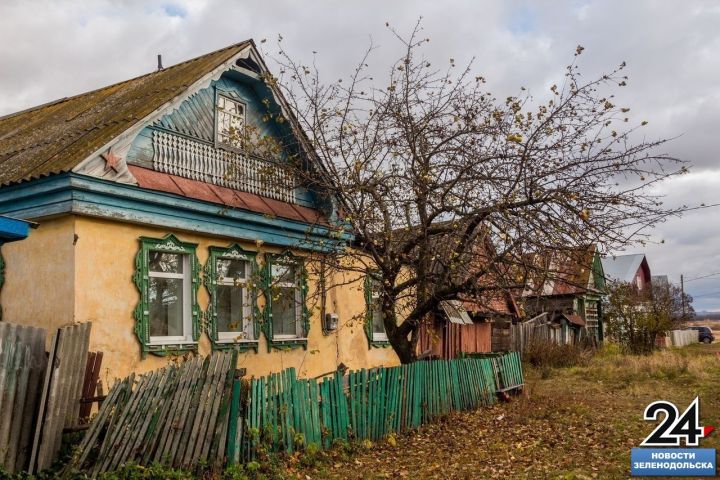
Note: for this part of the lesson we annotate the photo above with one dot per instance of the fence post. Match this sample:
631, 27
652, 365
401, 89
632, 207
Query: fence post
235, 423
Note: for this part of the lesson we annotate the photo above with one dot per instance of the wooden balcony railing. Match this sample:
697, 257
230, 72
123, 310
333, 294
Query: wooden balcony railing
188, 158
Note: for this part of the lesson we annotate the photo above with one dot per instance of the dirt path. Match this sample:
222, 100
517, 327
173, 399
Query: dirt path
577, 423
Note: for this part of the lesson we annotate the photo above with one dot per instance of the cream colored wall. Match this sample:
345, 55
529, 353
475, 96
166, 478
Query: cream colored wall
39, 276
105, 294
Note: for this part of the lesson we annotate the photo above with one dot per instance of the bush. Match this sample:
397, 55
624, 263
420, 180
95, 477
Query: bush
545, 354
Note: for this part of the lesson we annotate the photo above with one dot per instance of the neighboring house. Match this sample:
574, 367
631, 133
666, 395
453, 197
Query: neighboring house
161, 228
469, 326
569, 286
476, 323
631, 269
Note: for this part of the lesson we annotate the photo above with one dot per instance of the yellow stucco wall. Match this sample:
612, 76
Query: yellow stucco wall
80, 269
39, 276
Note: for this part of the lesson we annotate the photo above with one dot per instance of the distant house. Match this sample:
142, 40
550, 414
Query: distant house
162, 228
631, 269
568, 285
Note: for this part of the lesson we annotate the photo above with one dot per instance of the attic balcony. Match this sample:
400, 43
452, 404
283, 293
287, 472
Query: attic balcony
185, 157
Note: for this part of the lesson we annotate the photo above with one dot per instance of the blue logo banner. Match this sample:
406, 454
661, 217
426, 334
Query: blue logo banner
674, 462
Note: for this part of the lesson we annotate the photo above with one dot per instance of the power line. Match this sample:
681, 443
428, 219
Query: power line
702, 277
706, 294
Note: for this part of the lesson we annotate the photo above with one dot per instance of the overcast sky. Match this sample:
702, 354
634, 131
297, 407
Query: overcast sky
50, 50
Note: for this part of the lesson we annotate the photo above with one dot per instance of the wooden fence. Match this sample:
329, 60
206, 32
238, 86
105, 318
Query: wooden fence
22, 365
525, 333
177, 416
62, 390
200, 411
284, 413
39, 393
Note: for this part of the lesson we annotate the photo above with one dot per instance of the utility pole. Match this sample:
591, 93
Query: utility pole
682, 295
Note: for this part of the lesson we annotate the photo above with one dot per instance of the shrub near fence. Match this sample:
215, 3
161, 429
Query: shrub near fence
284, 413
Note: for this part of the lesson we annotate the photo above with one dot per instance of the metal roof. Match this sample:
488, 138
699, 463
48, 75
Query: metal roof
622, 268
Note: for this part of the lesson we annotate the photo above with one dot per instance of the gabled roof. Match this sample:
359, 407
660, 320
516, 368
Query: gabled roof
562, 272
57, 136
622, 268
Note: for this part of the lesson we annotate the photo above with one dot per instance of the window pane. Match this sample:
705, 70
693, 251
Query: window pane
233, 312
284, 311
231, 268
165, 304
377, 318
166, 262
231, 120
283, 273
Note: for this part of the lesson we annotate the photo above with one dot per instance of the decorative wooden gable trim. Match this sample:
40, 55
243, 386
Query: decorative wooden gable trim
121, 144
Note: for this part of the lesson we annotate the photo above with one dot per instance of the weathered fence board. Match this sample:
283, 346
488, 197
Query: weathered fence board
60, 400
22, 365
177, 416
90, 392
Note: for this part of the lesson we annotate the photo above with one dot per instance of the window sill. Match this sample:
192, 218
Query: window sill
379, 343
241, 345
170, 349
287, 343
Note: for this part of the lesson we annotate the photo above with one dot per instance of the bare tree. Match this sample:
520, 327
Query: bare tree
447, 188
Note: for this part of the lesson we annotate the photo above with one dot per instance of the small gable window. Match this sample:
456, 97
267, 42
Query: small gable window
374, 317
286, 315
167, 276
230, 121
232, 313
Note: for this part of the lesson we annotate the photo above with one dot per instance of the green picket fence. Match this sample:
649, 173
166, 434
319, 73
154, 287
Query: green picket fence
284, 413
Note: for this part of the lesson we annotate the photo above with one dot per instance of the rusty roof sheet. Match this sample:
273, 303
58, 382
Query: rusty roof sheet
562, 272
165, 182
55, 137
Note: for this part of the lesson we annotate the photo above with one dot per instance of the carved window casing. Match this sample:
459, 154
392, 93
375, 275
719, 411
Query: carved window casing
287, 320
167, 274
374, 316
232, 315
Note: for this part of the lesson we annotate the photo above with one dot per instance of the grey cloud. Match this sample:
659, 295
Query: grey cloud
51, 49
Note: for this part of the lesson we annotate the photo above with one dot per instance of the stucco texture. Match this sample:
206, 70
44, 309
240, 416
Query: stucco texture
80, 269
39, 273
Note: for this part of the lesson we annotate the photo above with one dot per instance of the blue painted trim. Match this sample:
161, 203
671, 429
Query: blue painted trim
12, 229
83, 195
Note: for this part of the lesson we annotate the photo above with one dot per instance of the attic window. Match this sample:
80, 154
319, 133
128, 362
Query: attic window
230, 121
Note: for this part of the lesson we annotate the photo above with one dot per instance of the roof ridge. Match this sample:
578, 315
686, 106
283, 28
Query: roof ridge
100, 89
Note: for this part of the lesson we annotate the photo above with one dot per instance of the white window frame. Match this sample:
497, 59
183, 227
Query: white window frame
186, 307
295, 284
247, 312
377, 336
219, 112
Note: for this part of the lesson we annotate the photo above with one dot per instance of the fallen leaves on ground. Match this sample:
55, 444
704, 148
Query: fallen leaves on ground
580, 423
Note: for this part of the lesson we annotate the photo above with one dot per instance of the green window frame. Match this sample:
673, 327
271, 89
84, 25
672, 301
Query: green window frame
248, 283
372, 296
163, 253
272, 285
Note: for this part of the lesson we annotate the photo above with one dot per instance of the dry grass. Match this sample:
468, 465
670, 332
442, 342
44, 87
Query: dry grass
578, 423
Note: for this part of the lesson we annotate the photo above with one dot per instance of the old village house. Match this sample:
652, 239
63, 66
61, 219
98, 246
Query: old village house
160, 227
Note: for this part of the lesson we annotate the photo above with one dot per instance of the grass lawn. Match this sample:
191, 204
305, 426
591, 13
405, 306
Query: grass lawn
570, 423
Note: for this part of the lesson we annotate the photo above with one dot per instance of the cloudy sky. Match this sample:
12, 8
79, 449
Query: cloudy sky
52, 49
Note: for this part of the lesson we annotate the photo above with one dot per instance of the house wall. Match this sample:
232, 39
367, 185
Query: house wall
105, 294
80, 269
443, 339
39, 271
